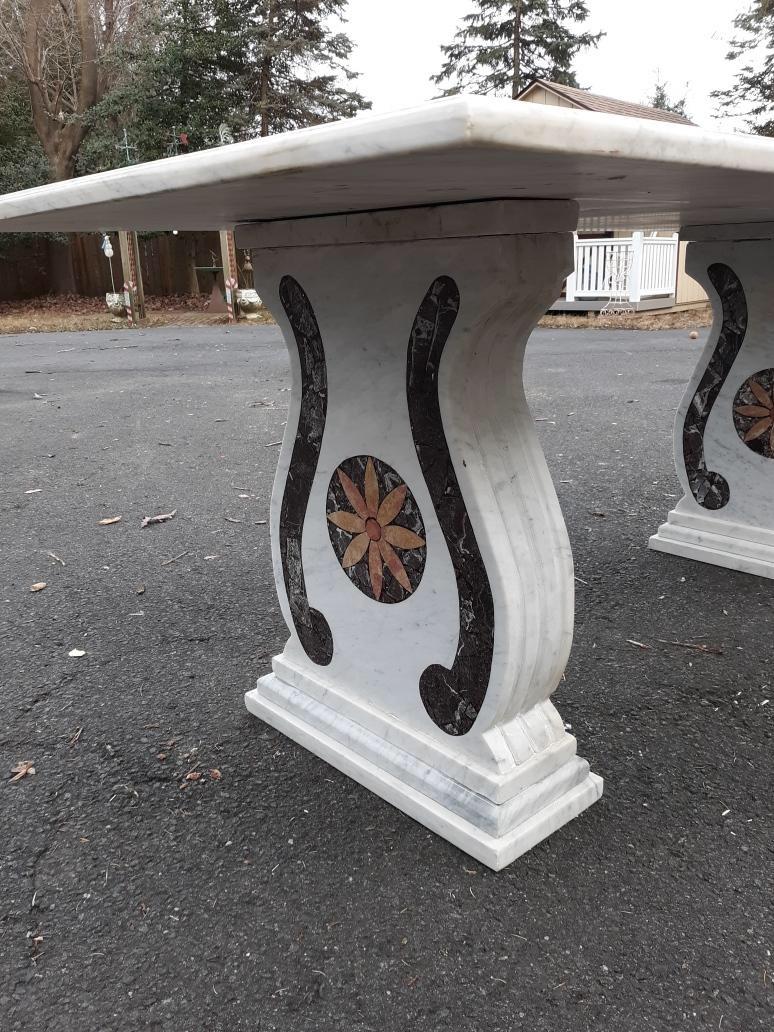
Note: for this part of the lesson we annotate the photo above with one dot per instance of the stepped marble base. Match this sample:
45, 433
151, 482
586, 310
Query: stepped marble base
491, 832
731, 545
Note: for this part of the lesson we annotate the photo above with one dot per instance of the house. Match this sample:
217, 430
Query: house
629, 268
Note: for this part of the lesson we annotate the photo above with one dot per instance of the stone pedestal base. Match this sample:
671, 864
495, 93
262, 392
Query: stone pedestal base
420, 555
724, 432
494, 828
710, 540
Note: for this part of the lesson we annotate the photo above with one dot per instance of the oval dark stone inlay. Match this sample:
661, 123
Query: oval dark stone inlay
754, 412
376, 529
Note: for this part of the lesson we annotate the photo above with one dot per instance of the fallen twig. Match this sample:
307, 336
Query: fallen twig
713, 650
174, 559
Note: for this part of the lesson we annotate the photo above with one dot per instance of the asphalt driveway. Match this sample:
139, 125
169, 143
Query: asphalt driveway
272, 893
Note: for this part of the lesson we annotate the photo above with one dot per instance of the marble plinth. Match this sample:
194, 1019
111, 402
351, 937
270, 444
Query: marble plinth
420, 556
494, 833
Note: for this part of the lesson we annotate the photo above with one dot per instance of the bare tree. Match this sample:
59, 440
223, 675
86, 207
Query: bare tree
64, 50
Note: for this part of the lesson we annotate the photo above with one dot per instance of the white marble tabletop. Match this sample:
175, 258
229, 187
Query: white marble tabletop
463, 148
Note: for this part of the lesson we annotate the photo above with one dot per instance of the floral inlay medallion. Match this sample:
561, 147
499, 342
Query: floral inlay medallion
754, 412
376, 529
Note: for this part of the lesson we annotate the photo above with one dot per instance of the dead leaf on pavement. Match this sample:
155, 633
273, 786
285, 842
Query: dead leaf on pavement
38, 586
23, 769
161, 518
215, 774
193, 775
108, 521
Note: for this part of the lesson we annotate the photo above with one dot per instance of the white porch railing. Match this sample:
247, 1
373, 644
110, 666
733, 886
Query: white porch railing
651, 264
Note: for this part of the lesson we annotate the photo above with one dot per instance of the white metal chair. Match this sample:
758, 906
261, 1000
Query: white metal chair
620, 268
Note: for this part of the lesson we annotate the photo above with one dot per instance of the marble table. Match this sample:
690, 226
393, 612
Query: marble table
420, 555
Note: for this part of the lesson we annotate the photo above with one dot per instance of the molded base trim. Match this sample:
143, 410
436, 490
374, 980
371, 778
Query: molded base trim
733, 546
538, 811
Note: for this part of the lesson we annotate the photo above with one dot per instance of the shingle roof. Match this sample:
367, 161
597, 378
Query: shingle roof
607, 105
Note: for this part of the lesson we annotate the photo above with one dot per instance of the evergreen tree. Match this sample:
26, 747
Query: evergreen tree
297, 61
752, 93
184, 79
22, 161
505, 43
255, 66
663, 102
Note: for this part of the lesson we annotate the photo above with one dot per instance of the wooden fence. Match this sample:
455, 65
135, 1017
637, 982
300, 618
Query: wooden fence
32, 265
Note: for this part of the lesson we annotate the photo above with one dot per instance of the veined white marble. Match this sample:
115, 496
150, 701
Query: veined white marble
513, 777
458, 149
738, 534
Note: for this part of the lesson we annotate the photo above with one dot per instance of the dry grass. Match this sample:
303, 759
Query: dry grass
69, 314
73, 315
691, 319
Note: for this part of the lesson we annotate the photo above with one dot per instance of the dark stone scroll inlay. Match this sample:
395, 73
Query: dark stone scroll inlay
452, 697
311, 626
710, 489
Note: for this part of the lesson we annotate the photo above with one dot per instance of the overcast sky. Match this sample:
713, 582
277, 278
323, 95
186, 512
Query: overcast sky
683, 42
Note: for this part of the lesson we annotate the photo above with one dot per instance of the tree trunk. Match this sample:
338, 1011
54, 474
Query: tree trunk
516, 81
266, 73
193, 279
61, 274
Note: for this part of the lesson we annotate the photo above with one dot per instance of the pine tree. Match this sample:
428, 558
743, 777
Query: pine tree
255, 66
504, 44
185, 78
663, 102
752, 94
297, 61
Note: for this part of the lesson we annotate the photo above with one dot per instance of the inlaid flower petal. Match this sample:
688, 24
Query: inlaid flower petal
394, 565
761, 394
375, 570
752, 410
392, 505
758, 429
356, 549
401, 537
353, 495
347, 521
371, 488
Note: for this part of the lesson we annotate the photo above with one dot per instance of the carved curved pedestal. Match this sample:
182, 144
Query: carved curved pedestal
420, 555
724, 431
